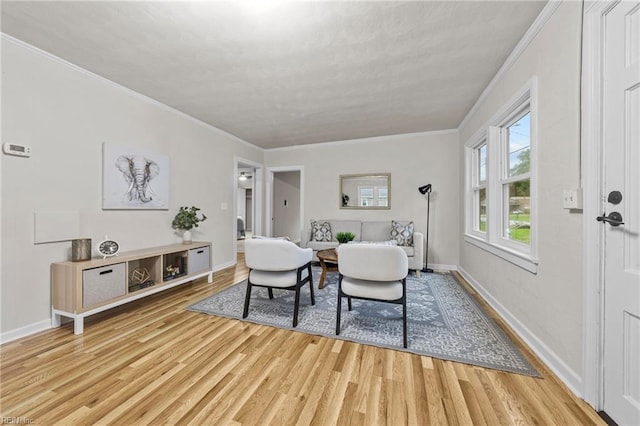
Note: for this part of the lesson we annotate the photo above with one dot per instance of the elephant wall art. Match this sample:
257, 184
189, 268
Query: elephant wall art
134, 179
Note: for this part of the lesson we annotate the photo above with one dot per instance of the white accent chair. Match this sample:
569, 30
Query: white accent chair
280, 264
373, 272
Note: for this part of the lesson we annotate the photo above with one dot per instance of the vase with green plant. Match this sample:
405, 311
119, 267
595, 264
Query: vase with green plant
345, 237
186, 219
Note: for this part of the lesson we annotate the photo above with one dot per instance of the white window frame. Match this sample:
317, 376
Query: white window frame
476, 186
380, 189
494, 133
364, 200
505, 179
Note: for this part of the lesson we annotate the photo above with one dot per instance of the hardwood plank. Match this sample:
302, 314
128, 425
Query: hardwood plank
396, 407
435, 394
472, 403
372, 414
478, 391
418, 410
316, 387
153, 362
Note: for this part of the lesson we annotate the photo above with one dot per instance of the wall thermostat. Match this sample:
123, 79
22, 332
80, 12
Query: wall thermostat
13, 149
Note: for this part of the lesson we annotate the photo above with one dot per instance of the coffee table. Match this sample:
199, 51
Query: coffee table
329, 261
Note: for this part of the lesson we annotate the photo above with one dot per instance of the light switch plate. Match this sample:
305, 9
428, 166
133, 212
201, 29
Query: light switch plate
572, 198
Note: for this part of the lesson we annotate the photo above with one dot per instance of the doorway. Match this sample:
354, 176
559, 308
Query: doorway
285, 201
611, 153
247, 202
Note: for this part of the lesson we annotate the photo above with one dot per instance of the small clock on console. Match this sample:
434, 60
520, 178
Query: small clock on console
108, 247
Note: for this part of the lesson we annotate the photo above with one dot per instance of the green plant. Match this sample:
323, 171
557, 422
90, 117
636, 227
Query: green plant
187, 218
345, 237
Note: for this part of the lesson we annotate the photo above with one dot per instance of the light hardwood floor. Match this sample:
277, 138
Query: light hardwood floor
153, 362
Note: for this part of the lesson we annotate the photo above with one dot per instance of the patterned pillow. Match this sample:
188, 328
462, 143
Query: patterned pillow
402, 234
320, 231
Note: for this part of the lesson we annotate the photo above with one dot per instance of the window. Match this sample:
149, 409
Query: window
500, 203
383, 198
516, 179
372, 196
365, 196
480, 187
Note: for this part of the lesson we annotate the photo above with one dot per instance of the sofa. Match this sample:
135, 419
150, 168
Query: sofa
365, 231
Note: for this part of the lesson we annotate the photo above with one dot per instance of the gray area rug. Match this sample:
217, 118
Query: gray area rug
444, 321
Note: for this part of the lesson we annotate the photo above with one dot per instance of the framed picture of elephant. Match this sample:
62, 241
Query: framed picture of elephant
133, 178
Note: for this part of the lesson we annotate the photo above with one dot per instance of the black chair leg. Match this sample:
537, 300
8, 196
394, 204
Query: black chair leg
338, 313
404, 323
270, 290
404, 312
349, 302
296, 306
245, 313
313, 299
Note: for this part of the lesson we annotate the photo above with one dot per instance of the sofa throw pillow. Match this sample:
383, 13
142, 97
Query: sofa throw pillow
402, 234
320, 231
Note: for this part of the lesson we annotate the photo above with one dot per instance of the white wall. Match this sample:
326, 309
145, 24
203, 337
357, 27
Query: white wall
65, 115
546, 306
413, 160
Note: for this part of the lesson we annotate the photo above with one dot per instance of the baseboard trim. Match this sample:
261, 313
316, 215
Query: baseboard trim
220, 267
569, 377
25, 331
442, 267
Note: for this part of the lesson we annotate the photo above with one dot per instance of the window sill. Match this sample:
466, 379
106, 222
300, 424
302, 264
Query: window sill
519, 259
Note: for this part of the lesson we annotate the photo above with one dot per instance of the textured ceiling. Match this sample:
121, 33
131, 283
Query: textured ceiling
292, 73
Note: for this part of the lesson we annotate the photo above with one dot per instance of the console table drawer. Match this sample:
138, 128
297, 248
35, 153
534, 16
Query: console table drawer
198, 260
103, 284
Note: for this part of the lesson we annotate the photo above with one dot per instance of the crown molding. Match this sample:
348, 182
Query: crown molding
537, 25
130, 92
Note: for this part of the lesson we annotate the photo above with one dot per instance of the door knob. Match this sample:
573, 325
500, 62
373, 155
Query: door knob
615, 197
614, 219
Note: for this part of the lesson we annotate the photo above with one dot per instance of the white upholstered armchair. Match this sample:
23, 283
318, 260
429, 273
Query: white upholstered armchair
373, 272
279, 264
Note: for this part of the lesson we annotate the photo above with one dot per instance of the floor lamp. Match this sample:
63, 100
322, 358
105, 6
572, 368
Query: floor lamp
426, 189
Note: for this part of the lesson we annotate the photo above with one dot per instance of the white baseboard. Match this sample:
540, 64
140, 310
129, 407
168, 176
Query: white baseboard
37, 327
25, 331
443, 267
218, 268
568, 376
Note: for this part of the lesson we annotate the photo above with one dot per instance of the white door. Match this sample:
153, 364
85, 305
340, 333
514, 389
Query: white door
621, 140
274, 202
286, 205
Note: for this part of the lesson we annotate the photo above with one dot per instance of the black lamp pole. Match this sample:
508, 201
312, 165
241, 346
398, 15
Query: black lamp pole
426, 189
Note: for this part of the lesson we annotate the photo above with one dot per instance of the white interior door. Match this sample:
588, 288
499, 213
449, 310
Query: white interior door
270, 201
621, 140
286, 205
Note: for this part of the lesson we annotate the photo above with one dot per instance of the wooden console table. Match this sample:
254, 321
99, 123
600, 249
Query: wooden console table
81, 289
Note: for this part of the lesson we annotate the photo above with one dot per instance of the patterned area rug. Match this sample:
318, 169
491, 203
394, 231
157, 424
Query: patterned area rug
444, 321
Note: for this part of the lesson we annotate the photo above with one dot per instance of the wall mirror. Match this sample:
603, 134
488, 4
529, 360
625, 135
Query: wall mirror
365, 191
